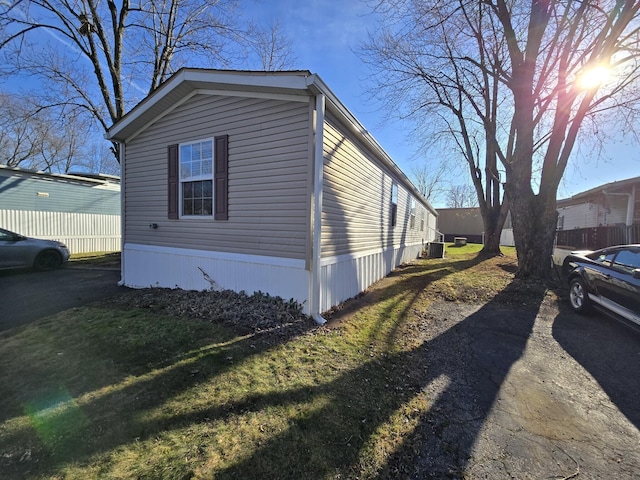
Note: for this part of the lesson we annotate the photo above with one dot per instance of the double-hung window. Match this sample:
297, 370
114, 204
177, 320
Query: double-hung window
196, 178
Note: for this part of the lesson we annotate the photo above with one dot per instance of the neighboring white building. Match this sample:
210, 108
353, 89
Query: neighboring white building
81, 211
261, 181
612, 204
600, 217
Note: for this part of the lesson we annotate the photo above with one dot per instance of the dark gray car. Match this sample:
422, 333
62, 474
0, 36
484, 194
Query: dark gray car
18, 251
608, 279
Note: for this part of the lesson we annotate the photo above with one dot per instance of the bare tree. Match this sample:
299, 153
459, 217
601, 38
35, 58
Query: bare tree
430, 179
18, 139
97, 158
503, 80
44, 139
418, 73
462, 196
272, 48
102, 57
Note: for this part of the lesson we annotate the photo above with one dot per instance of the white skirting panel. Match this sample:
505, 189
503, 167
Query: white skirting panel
345, 276
151, 266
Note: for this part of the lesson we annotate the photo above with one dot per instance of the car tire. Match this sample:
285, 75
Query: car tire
47, 260
578, 296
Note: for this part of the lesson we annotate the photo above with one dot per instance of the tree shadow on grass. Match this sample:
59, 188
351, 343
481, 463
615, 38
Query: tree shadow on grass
408, 284
461, 370
67, 427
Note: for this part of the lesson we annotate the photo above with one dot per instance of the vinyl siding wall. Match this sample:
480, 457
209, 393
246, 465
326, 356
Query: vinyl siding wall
269, 156
359, 244
602, 211
460, 221
357, 201
31, 192
81, 232
614, 211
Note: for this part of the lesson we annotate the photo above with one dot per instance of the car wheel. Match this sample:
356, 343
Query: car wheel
578, 296
47, 260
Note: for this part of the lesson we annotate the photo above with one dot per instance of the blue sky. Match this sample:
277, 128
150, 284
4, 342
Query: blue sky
325, 34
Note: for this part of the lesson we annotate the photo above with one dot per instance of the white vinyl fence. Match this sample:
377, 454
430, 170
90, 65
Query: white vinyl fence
81, 232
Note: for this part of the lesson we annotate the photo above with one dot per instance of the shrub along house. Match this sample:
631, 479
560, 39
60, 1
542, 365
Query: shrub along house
261, 181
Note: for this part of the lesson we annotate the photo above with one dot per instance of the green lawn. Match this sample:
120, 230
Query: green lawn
106, 392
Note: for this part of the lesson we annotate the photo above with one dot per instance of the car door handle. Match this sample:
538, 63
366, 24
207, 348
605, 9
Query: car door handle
607, 276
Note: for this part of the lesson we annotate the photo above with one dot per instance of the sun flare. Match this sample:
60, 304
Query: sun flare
593, 77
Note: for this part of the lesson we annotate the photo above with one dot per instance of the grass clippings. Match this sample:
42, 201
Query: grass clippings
167, 384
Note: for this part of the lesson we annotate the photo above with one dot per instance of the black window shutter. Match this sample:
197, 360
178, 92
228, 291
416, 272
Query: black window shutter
221, 178
173, 181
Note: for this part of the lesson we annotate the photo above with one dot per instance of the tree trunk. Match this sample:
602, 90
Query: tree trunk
493, 220
492, 243
534, 219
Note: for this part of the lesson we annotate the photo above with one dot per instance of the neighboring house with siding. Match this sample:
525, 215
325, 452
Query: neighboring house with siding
81, 211
600, 217
261, 181
611, 204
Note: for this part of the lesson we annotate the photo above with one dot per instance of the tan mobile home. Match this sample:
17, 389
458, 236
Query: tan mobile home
261, 181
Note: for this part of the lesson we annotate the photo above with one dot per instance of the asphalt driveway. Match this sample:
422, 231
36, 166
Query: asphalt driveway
27, 295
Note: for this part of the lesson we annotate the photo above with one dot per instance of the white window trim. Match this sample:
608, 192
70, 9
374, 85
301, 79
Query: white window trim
196, 178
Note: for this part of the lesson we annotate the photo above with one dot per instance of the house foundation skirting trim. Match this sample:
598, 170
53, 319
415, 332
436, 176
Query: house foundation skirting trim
345, 276
341, 277
147, 266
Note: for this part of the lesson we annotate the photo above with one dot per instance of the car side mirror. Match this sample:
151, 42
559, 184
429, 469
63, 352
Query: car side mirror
636, 273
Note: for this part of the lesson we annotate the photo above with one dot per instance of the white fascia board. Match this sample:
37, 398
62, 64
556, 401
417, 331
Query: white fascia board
145, 105
293, 81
